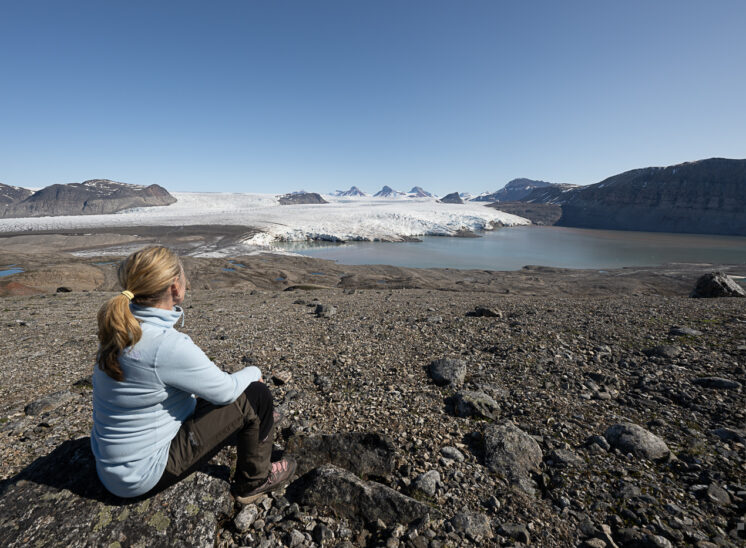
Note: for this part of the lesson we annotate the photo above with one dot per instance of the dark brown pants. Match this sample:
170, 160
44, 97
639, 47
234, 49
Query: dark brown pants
210, 428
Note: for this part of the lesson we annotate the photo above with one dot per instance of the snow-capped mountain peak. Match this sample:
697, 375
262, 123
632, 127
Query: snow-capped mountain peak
419, 192
388, 192
353, 191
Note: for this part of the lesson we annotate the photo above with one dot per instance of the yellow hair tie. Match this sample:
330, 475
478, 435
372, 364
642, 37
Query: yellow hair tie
128, 294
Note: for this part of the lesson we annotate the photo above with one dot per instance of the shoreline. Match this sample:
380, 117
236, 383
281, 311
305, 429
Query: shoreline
76, 259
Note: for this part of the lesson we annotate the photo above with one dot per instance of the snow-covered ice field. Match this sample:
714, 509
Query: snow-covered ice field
342, 219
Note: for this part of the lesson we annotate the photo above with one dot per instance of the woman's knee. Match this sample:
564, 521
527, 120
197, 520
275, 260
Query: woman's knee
259, 397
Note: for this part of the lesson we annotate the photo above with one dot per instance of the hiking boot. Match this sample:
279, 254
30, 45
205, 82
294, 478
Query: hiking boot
279, 474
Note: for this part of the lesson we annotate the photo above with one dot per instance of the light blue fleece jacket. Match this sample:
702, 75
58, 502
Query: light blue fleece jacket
135, 420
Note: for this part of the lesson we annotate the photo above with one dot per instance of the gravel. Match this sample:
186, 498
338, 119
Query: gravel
564, 370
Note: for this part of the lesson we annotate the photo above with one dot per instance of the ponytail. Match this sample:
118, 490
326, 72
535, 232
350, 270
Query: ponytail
117, 329
145, 276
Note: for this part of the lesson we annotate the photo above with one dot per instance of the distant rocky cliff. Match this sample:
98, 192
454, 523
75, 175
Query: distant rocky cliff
707, 196
515, 190
298, 198
94, 197
10, 194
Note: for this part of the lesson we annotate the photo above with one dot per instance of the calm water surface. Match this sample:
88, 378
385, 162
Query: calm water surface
513, 248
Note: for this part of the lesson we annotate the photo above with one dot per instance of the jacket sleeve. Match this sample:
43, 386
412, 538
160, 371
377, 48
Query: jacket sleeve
182, 364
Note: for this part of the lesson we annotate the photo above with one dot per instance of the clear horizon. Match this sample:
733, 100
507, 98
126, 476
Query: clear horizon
452, 97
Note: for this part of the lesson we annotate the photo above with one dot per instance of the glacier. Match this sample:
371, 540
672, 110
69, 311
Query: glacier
343, 219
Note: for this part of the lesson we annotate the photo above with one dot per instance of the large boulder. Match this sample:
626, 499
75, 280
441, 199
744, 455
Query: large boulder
59, 501
364, 454
632, 438
447, 371
512, 453
346, 495
717, 284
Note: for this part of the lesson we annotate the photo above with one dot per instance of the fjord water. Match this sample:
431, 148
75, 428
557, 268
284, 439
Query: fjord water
513, 248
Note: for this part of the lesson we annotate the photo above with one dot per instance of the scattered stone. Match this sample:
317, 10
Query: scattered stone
657, 541
632, 438
716, 284
593, 543
512, 453
565, 457
49, 402
599, 441
246, 518
678, 331
363, 454
485, 312
452, 453
718, 495
295, 538
325, 311
85, 383
281, 377
468, 403
717, 383
664, 351
446, 371
63, 289
473, 525
345, 494
322, 534
515, 531
428, 482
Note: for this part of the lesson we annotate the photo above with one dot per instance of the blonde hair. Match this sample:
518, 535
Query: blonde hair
147, 275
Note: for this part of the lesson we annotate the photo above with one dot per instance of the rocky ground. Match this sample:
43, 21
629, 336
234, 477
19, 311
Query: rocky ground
617, 418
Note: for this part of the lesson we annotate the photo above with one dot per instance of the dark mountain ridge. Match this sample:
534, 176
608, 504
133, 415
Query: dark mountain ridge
93, 197
514, 191
10, 194
705, 197
300, 198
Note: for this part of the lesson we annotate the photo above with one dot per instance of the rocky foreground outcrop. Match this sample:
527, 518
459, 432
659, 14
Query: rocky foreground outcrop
707, 197
94, 197
419, 418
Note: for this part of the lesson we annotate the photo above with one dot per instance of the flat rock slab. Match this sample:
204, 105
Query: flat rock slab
59, 501
680, 331
717, 383
363, 454
632, 438
469, 403
447, 371
345, 494
49, 402
664, 351
512, 453
485, 312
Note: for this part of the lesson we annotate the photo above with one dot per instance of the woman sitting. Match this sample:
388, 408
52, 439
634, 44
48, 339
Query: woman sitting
161, 408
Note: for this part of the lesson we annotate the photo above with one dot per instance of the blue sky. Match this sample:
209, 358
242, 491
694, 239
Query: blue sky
318, 95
